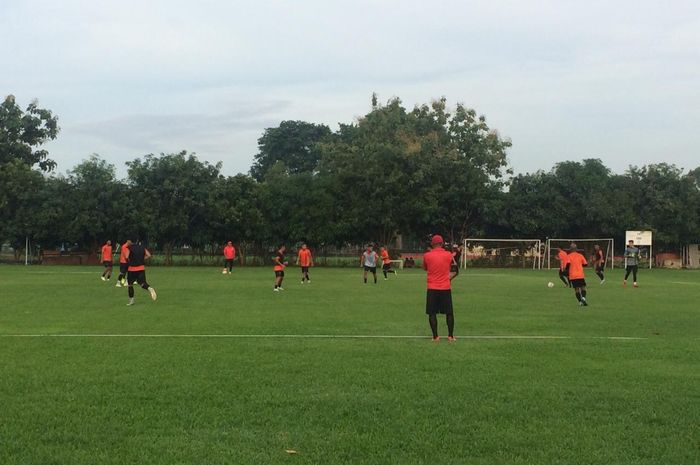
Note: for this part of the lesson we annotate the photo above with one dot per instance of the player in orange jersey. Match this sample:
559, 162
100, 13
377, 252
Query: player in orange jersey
107, 260
576, 276
386, 262
305, 260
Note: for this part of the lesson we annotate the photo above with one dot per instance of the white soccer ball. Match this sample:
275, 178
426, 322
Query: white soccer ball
223, 272
550, 284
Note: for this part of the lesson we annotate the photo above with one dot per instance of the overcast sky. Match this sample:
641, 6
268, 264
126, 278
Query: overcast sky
564, 80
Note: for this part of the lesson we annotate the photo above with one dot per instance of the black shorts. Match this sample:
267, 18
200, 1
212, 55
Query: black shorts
372, 269
577, 283
279, 273
600, 267
386, 266
107, 264
228, 262
438, 301
136, 277
454, 269
304, 269
123, 268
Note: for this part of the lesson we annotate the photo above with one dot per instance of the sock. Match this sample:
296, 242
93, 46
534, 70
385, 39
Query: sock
385, 275
578, 296
432, 319
583, 293
131, 292
600, 275
365, 280
450, 324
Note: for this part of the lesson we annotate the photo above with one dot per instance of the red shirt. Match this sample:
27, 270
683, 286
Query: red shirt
106, 253
122, 254
304, 257
385, 257
229, 252
437, 262
563, 259
576, 264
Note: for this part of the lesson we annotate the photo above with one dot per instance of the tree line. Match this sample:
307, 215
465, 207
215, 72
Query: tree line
394, 171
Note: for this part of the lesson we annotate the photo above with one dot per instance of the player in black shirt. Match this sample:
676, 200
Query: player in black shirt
456, 260
137, 256
599, 260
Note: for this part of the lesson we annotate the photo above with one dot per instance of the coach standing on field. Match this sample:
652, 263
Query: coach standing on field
437, 263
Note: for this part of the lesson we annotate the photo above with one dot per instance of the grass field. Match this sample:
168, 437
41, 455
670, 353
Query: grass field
213, 373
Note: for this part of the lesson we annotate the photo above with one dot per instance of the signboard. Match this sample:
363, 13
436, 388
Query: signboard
639, 237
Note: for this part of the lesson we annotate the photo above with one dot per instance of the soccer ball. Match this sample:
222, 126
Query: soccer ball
223, 272
550, 284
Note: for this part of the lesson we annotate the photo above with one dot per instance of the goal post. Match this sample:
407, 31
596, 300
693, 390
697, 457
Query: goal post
502, 253
607, 244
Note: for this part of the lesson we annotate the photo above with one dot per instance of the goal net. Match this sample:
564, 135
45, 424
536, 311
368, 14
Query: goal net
585, 246
502, 253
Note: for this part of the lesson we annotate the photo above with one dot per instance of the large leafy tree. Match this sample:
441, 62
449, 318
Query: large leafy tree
20, 188
22, 133
171, 195
292, 143
99, 203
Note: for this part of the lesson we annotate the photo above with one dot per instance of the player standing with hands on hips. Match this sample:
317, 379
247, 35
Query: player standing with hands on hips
437, 263
305, 260
632, 262
280, 264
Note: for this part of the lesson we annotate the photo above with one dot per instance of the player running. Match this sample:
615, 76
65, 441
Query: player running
456, 260
305, 259
369, 261
107, 261
229, 257
137, 255
599, 260
386, 262
123, 264
632, 262
437, 263
563, 259
576, 276
280, 264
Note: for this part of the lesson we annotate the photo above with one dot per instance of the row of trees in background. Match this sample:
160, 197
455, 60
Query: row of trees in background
393, 171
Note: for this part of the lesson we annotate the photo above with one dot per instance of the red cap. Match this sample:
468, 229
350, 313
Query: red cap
436, 239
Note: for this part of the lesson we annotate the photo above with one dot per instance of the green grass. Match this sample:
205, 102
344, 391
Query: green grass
581, 399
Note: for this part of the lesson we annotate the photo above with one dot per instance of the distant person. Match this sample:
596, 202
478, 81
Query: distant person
123, 263
107, 261
576, 276
137, 255
229, 257
437, 263
456, 260
599, 260
305, 260
631, 262
279, 267
563, 259
386, 262
369, 260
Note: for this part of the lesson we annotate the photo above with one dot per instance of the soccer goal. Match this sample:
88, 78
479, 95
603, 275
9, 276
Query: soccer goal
502, 253
607, 244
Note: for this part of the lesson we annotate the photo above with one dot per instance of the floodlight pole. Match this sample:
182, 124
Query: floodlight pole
26, 250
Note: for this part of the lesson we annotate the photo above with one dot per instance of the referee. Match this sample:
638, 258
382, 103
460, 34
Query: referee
437, 263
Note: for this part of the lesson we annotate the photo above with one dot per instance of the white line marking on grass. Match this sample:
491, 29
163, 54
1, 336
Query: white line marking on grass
685, 282
316, 336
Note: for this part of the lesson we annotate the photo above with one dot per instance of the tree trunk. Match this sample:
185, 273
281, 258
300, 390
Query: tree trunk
168, 249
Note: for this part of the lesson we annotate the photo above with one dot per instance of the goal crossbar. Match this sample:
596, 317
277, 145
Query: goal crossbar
536, 243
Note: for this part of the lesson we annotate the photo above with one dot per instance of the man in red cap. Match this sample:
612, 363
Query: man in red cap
437, 263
